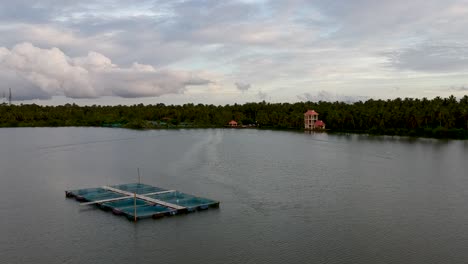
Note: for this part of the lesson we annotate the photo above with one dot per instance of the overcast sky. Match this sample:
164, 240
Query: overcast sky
225, 52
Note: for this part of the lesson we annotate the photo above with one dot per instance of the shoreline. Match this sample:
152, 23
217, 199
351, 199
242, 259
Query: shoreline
327, 131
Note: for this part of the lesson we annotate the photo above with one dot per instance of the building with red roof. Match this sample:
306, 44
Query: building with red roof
319, 124
311, 121
311, 113
232, 123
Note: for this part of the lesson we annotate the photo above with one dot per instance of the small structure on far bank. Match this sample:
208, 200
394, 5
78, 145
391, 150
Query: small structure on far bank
232, 123
311, 121
319, 124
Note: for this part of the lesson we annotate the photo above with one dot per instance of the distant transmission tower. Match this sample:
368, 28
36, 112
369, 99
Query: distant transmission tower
9, 97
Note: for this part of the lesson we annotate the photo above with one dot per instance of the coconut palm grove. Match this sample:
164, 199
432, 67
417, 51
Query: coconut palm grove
437, 117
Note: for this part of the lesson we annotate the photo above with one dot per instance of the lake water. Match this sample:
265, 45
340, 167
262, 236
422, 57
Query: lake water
286, 197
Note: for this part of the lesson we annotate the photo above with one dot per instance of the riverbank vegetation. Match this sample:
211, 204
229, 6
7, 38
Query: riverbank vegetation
438, 117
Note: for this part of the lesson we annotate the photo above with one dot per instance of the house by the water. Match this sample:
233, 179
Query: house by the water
232, 123
311, 121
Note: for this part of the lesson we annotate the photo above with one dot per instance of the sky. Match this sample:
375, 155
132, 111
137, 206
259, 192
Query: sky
232, 51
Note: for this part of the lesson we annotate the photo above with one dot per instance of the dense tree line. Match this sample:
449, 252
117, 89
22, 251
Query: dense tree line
438, 117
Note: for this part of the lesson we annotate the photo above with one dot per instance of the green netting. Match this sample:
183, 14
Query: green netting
138, 188
146, 210
182, 199
130, 202
96, 194
102, 196
88, 191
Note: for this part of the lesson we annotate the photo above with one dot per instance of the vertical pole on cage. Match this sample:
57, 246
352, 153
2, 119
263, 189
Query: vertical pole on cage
138, 170
134, 207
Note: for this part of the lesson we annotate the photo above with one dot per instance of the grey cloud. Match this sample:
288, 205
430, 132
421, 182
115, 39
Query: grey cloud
329, 97
41, 73
462, 88
46, 11
358, 21
163, 33
195, 80
430, 58
238, 23
306, 97
262, 95
189, 19
265, 42
242, 86
23, 11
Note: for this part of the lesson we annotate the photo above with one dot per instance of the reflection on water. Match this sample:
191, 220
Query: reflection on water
286, 197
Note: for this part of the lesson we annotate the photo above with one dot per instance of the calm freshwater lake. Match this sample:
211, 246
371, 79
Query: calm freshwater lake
286, 197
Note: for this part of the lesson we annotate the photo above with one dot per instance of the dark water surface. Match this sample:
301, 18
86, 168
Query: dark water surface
285, 197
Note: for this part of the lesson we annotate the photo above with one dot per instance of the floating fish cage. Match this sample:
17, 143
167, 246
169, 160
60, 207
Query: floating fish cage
137, 201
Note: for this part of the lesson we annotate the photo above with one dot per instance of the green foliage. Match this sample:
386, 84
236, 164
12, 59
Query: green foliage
439, 117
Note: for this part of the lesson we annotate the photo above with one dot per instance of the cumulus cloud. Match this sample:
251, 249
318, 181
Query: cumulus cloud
36, 73
329, 97
242, 86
